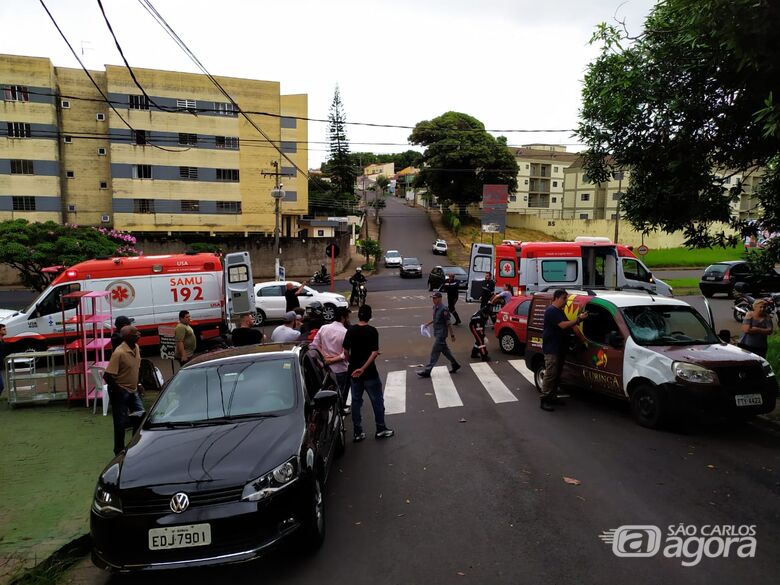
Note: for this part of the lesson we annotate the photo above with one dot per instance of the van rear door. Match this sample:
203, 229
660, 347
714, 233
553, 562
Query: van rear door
238, 285
482, 261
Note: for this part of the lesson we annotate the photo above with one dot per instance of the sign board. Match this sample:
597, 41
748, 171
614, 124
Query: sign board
167, 342
339, 219
642, 250
332, 250
281, 274
494, 201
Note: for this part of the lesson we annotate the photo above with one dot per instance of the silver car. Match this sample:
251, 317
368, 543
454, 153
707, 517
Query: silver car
392, 259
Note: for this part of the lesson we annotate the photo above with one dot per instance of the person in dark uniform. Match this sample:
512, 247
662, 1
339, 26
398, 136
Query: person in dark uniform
441, 326
450, 287
488, 290
355, 280
477, 327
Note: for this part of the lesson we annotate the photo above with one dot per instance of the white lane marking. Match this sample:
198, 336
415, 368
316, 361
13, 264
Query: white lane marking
492, 383
520, 366
395, 392
446, 394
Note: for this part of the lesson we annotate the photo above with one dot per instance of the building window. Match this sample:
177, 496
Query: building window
143, 205
101, 151
585, 197
67, 139
614, 216
225, 109
617, 175
555, 183
142, 171
512, 198
583, 216
526, 167
230, 142
23, 203
586, 178
65, 104
139, 137
320, 233
188, 172
22, 167
70, 174
18, 130
227, 174
726, 180
526, 181
100, 117
138, 102
616, 196
555, 200
555, 169
186, 105
188, 139
16, 93
103, 185
228, 207
190, 206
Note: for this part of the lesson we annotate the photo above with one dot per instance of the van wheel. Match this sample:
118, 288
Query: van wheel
313, 529
28, 345
508, 342
647, 406
329, 312
539, 375
259, 317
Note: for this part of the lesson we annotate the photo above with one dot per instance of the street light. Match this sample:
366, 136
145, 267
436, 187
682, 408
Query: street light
278, 194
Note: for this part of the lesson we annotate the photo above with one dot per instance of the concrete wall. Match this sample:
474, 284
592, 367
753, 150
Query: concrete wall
300, 257
568, 229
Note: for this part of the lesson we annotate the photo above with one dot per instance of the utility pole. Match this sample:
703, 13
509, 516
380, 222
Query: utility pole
617, 209
278, 194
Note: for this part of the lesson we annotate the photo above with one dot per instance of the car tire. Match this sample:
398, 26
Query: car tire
341, 439
328, 312
313, 525
430, 286
539, 375
508, 342
648, 406
260, 318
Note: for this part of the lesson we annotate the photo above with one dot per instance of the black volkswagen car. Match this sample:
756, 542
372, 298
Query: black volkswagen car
231, 459
410, 267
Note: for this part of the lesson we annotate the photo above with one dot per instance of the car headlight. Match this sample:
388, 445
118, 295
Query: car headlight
270, 483
341, 299
694, 374
768, 371
106, 503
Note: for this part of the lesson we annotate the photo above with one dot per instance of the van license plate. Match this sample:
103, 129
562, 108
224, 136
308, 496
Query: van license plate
749, 400
180, 536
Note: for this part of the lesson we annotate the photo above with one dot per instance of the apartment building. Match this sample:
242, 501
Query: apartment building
584, 199
540, 178
178, 159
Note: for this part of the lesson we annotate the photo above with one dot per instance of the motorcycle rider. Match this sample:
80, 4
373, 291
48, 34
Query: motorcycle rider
477, 327
322, 275
356, 280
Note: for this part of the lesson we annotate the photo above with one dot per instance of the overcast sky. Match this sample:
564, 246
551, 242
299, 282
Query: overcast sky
513, 64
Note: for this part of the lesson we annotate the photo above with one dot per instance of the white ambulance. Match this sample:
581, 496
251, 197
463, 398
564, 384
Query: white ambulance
151, 290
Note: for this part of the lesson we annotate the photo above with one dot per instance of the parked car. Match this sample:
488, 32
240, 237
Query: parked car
392, 259
223, 467
270, 302
721, 278
440, 273
511, 324
656, 353
411, 267
440, 247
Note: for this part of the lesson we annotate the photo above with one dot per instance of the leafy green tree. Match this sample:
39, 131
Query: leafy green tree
460, 157
341, 170
687, 105
383, 183
30, 247
370, 249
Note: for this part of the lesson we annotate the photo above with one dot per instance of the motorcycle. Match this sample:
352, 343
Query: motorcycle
360, 294
319, 278
743, 303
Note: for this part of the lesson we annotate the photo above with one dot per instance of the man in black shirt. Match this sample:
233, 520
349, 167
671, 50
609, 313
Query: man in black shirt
355, 280
488, 289
361, 348
291, 296
245, 334
450, 286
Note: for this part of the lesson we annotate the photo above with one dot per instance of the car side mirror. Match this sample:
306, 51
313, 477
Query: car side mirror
614, 339
724, 335
325, 399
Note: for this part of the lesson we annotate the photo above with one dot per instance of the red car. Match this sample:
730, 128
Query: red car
511, 322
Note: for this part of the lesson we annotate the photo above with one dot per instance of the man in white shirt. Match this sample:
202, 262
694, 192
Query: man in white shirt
330, 343
287, 333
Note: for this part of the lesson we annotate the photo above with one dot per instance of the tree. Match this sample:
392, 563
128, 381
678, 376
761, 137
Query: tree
383, 183
342, 171
30, 247
370, 249
686, 106
460, 157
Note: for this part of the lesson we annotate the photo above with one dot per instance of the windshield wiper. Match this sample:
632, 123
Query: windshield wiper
170, 424
251, 415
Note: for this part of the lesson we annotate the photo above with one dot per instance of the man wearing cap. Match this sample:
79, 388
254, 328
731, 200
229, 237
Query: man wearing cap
441, 327
116, 337
121, 376
287, 332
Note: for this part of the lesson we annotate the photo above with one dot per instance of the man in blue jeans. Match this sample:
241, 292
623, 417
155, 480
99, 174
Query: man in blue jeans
361, 348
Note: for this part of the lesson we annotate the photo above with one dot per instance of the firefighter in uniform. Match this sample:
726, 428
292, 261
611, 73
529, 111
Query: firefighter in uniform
477, 327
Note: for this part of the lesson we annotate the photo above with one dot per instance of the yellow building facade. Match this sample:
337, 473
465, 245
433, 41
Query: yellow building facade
179, 159
540, 179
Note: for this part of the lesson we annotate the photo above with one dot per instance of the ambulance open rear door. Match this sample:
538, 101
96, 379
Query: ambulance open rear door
239, 286
482, 261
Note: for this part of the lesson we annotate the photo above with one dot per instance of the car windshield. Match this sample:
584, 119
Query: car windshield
392, 254
411, 261
668, 325
457, 271
716, 269
228, 391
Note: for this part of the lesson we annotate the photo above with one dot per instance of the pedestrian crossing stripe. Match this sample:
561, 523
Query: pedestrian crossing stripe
444, 387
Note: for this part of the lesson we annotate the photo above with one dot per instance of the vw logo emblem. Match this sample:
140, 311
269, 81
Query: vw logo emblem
179, 503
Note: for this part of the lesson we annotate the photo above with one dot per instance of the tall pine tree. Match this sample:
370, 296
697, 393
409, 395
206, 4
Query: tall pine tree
342, 173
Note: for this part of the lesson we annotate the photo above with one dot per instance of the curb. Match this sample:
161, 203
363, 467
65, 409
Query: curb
63, 558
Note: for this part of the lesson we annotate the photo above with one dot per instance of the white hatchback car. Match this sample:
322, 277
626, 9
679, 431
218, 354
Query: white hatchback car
271, 304
440, 247
392, 259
